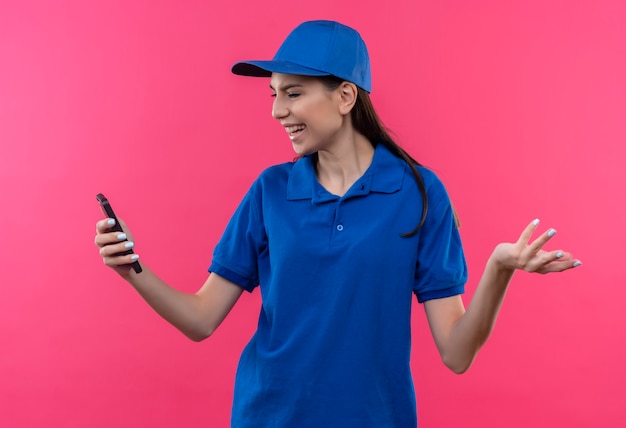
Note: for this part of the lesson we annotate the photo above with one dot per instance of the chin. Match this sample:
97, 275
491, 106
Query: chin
302, 151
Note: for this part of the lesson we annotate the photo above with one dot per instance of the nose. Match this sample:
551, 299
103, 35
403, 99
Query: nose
279, 109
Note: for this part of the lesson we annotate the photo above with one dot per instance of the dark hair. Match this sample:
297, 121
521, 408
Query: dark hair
366, 121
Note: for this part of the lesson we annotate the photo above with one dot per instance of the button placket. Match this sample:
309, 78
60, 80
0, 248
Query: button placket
338, 222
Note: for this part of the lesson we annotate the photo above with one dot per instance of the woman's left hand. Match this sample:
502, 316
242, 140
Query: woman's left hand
531, 257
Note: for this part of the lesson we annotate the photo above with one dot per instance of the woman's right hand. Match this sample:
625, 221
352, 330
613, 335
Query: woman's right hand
112, 243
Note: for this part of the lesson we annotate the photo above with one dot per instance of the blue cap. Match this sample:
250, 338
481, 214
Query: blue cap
317, 48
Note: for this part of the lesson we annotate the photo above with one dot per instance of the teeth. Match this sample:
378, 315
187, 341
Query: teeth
293, 129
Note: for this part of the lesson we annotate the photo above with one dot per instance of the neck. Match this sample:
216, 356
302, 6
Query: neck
340, 167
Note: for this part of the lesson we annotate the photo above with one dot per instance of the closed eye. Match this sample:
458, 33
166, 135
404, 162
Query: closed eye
288, 95
286, 89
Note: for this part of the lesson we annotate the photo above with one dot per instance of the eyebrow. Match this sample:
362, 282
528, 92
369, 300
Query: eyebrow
287, 86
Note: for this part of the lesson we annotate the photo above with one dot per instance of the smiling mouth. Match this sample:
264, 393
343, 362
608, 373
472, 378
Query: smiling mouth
295, 130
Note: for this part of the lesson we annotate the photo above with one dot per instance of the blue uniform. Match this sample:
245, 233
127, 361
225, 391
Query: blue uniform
332, 348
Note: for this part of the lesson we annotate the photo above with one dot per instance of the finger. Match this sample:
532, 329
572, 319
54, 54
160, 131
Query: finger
562, 255
560, 266
114, 250
528, 232
541, 241
106, 239
543, 258
120, 260
104, 225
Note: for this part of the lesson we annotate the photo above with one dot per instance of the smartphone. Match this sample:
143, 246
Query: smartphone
108, 211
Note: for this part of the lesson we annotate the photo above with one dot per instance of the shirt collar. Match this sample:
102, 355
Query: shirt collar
384, 175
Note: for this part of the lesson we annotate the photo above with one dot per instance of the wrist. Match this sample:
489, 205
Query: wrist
499, 263
126, 272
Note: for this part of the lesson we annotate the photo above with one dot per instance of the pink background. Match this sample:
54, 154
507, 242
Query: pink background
520, 107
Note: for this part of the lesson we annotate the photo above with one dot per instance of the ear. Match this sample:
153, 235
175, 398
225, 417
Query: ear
348, 94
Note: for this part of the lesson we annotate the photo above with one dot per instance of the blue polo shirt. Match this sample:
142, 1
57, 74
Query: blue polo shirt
332, 347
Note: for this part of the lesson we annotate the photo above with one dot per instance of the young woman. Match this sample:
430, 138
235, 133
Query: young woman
338, 242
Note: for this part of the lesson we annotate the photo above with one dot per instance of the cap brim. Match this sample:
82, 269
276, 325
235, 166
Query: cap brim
266, 68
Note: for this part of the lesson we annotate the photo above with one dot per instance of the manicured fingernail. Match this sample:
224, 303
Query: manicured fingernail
121, 236
577, 263
134, 257
535, 222
111, 222
559, 255
129, 244
551, 233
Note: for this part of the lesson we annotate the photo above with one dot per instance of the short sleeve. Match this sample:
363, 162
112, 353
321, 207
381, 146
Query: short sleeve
236, 255
441, 269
